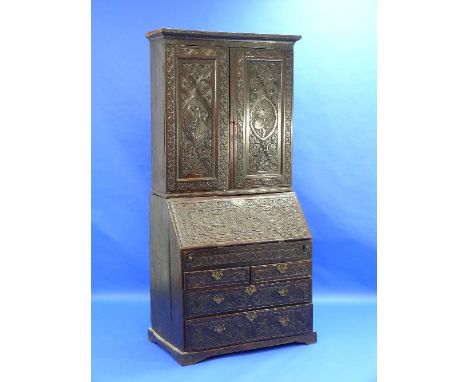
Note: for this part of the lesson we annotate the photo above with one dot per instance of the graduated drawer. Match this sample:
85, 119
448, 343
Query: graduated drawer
279, 271
244, 255
255, 325
216, 277
220, 300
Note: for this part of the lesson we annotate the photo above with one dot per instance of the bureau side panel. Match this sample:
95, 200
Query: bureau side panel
160, 267
177, 292
158, 106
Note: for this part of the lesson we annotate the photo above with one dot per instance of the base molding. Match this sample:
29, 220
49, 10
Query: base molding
189, 358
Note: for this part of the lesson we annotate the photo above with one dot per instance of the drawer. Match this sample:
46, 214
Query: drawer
279, 271
232, 298
200, 279
254, 325
247, 254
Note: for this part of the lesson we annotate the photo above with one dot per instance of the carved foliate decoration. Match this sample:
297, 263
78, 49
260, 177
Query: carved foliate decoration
218, 277
197, 127
264, 98
248, 254
212, 332
205, 222
202, 302
281, 271
263, 118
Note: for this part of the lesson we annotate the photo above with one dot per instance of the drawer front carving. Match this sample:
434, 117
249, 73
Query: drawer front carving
200, 279
213, 301
280, 271
230, 329
248, 254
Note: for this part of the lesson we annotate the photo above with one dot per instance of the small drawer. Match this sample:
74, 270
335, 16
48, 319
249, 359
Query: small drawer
254, 325
216, 277
281, 271
213, 301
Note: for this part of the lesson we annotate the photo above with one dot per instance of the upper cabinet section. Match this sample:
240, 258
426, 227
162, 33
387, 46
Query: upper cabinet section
221, 112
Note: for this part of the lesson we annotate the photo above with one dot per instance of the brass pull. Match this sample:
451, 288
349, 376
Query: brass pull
189, 258
284, 321
219, 328
216, 275
283, 292
250, 290
251, 316
218, 299
282, 268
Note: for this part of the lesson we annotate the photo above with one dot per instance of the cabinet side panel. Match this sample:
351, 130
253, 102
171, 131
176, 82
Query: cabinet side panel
160, 268
177, 294
158, 104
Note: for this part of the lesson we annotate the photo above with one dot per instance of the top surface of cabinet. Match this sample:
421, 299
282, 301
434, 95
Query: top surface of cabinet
204, 35
221, 112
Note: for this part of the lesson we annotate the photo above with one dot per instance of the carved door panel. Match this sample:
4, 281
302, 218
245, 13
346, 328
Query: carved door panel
261, 106
197, 119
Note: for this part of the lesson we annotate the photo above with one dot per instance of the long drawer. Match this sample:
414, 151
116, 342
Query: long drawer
247, 254
232, 298
256, 325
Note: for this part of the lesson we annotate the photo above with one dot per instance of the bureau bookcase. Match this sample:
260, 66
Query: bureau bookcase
231, 252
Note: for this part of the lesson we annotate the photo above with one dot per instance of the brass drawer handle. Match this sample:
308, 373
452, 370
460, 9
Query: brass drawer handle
282, 268
250, 290
284, 321
216, 275
189, 258
218, 299
219, 328
283, 292
251, 316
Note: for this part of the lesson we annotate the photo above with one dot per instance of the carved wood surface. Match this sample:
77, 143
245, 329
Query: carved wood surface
218, 331
280, 271
248, 254
216, 277
263, 111
197, 127
219, 300
216, 221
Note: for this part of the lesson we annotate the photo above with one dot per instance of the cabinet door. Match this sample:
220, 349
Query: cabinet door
197, 118
261, 106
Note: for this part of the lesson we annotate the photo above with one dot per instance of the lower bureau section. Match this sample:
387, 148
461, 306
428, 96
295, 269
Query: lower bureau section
254, 325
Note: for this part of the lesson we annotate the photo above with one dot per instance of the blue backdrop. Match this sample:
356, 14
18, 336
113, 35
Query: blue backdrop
334, 175
334, 147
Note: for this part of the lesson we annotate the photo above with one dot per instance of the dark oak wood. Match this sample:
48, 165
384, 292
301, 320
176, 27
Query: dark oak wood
186, 358
241, 297
231, 252
216, 277
281, 271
